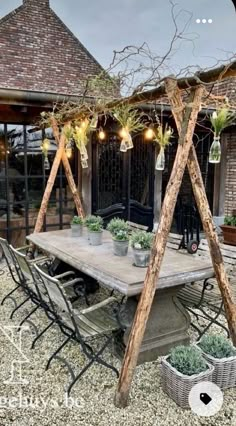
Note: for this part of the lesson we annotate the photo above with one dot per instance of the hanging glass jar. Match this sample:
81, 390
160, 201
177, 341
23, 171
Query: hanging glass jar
46, 163
215, 151
84, 163
160, 161
69, 148
123, 147
129, 142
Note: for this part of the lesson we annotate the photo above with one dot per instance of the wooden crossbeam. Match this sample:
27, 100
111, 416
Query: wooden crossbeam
158, 249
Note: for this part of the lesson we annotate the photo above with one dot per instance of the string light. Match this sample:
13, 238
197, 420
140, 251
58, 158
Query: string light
101, 134
149, 134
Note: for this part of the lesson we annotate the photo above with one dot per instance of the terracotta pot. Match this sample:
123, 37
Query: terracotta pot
229, 233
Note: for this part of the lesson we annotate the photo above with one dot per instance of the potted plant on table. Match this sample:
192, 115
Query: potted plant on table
95, 233
119, 230
141, 242
229, 229
183, 369
218, 351
76, 226
92, 219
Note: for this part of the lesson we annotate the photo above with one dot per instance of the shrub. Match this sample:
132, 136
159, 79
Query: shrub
230, 220
77, 220
119, 229
141, 240
93, 219
95, 227
217, 346
187, 360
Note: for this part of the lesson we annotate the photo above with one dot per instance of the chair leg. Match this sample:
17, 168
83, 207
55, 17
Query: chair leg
28, 316
57, 351
41, 334
18, 307
94, 358
213, 320
9, 294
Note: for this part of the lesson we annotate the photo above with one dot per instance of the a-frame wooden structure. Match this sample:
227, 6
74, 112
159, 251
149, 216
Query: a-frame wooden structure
185, 114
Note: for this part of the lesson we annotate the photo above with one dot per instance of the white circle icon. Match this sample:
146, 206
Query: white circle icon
204, 21
205, 399
210, 21
198, 21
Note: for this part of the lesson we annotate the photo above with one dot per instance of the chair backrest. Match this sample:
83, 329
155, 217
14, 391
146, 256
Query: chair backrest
228, 253
136, 227
11, 260
23, 264
56, 294
174, 241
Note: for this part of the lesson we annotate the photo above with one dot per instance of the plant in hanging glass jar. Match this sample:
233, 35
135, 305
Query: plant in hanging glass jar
219, 120
80, 136
130, 121
162, 137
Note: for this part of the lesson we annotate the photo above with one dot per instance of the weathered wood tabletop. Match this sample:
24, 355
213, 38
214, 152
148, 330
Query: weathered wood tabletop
119, 272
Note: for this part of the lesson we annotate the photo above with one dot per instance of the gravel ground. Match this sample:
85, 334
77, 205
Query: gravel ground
93, 394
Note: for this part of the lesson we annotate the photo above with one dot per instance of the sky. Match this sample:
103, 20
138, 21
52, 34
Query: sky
107, 25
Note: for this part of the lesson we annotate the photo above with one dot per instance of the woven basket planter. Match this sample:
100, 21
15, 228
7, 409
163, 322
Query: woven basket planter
178, 386
224, 374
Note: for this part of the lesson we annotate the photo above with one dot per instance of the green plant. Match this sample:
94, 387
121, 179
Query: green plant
221, 119
217, 346
77, 220
187, 360
129, 118
119, 229
230, 220
141, 240
95, 227
93, 219
163, 135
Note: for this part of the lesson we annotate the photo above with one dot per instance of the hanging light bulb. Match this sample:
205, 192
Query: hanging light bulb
149, 134
124, 133
123, 147
215, 151
46, 164
45, 145
160, 161
101, 134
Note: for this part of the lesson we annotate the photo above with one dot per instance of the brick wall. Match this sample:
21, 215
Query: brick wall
230, 184
38, 52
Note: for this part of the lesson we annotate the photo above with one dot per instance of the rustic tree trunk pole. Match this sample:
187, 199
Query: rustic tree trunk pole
158, 250
68, 172
175, 99
49, 186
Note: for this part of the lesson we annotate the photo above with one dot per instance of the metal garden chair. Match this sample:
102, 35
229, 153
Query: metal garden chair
35, 290
80, 326
206, 297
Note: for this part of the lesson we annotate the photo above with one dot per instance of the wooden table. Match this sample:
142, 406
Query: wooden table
169, 321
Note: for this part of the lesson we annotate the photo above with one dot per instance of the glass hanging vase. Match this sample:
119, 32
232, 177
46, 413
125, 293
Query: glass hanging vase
215, 151
46, 164
83, 151
129, 142
84, 163
123, 147
160, 161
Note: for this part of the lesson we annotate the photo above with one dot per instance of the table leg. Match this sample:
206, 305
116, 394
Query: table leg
167, 325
